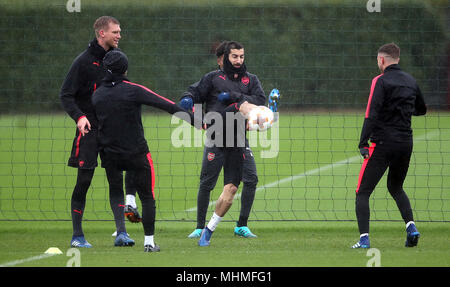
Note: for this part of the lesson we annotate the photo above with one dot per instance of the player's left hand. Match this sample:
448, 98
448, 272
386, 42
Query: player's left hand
223, 97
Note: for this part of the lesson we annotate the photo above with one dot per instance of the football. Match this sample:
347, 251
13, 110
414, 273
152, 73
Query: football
260, 118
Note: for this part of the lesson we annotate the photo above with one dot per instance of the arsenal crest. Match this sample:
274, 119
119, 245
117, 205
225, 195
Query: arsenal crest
245, 80
211, 156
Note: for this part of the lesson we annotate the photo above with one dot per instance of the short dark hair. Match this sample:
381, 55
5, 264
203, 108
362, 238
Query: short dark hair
220, 50
103, 22
233, 45
391, 50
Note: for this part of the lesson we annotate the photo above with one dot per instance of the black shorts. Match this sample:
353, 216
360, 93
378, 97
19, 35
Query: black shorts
141, 165
231, 159
84, 150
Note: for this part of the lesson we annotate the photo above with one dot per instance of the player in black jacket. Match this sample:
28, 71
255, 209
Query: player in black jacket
83, 78
121, 138
210, 169
217, 90
394, 98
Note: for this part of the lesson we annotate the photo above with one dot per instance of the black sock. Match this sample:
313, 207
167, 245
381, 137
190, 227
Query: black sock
116, 197
148, 215
363, 212
247, 197
78, 201
116, 201
202, 206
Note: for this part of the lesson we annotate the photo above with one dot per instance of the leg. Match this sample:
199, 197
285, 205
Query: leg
398, 170
145, 189
250, 180
78, 201
371, 172
223, 204
145, 185
232, 177
212, 163
131, 210
84, 157
225, 199
115, 180
232, 169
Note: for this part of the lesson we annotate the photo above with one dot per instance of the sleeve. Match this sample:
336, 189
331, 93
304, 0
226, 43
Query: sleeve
256, 94
200, 90
69, 89
147, 97
420, 106
374, 106
191, 92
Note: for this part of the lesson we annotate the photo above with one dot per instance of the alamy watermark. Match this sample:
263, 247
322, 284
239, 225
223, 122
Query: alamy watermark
73, 6
375, 260
373, 6
75, 257
230, 133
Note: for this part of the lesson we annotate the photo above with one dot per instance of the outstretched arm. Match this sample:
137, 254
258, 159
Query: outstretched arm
147, 97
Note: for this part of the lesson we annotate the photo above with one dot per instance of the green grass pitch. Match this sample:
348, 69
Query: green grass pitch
303, 212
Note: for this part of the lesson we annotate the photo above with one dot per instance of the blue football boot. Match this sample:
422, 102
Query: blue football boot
244, 231
412, 236
123, 239
363, 242
79, 242
205, 237
196, 233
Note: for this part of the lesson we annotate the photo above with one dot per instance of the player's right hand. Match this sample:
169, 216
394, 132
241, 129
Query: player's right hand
187, 103
83, 125
364, 152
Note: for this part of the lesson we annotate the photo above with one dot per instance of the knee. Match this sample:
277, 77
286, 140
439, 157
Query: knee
231, 188
251, 181
394, 187
362, 197
229, 191
84, 180
395, 191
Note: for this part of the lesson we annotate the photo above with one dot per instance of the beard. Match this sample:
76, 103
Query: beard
231, 70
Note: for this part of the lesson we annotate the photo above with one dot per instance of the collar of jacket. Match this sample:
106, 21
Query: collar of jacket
96, 50
392, 67
113, 79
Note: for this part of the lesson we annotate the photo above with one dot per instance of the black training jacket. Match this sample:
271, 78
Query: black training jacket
84, 77
245, 88
394, 98
117, 104
248, 88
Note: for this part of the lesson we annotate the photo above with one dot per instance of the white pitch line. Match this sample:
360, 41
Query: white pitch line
17, 262
292, 178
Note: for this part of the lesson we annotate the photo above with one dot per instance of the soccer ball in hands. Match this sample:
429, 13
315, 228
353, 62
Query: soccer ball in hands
260, 118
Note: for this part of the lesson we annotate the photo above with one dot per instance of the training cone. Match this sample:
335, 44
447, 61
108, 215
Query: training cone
53, 250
